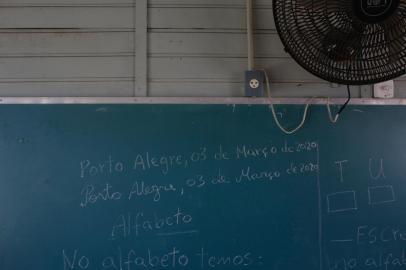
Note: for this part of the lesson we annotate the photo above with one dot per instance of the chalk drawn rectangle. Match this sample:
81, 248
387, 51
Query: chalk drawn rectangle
381, 195
341, 202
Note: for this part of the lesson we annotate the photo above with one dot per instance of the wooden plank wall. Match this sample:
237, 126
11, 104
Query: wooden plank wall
195, 48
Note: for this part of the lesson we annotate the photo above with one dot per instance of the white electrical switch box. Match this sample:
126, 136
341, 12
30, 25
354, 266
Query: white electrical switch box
384, 90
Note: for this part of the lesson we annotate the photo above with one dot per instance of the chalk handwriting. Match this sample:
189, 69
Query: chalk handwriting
172, 257
301, 168
91, 196
140, 222
299, 147
340, 165
200, 181
378, 260
74, 261
257, 152
213, 261
248, 175
140, 189
380, 173
131, 260
366, 234
110, 166
164, 163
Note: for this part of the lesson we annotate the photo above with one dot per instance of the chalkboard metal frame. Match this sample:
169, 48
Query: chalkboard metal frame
193, 100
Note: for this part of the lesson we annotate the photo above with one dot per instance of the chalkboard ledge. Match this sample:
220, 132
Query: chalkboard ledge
194, 100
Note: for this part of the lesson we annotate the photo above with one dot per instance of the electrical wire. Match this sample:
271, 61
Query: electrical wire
337, 116
292, 131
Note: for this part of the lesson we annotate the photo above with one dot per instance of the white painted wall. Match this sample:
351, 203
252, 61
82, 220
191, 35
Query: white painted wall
195, 48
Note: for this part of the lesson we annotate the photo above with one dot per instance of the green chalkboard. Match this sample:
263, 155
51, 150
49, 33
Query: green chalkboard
127, 187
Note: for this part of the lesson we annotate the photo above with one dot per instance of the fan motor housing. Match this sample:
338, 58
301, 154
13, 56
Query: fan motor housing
374, 11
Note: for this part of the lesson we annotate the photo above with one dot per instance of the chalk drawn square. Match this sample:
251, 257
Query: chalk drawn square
381, 195
341, 202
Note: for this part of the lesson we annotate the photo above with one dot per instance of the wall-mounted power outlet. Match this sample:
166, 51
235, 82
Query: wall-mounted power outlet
254, 83
384, 90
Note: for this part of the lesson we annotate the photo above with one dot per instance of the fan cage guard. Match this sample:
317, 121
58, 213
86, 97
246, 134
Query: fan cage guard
331, 40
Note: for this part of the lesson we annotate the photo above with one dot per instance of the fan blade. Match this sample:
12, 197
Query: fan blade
391, 46
324, 7
307, 4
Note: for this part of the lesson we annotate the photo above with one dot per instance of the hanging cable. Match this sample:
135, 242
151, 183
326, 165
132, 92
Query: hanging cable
337, 116
289, 132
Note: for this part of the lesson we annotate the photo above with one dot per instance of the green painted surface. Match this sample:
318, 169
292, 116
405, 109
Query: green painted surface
201, 187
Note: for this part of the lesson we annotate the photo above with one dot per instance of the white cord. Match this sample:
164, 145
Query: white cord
337, 116
289, 132
330, 116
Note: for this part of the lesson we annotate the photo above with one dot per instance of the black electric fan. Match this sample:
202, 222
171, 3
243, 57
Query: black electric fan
345, 41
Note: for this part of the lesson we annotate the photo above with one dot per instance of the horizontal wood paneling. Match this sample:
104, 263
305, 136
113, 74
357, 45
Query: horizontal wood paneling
30, 17
214, 45
214, 18
206, 3
281, 69
196, 48
66, 17
48, 68
152, 3
160, 44
65, 43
